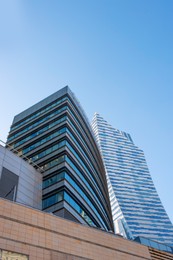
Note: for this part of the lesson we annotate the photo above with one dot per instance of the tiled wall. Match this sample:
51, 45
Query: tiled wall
156, 254
44, 236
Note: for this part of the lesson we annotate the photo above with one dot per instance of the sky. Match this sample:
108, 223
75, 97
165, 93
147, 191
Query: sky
115, 55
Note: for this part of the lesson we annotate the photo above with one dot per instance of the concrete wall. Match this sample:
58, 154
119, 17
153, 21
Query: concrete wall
27, 188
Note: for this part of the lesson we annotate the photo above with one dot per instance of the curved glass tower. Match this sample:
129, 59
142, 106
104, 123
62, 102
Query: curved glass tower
136, 207
56, 136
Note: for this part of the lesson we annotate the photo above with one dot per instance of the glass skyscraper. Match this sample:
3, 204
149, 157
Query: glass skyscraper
136, 207
55, 135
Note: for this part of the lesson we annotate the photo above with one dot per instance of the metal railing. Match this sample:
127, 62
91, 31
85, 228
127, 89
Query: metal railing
18, 153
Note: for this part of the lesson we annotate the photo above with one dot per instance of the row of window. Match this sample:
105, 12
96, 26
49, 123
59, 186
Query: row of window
78, 145
63, 195
86, 138
136, 187
49, 150
44, 140
78, 208
40, 121
154, 244
38, 132
130, 150
56, 178
150, 219
154, 227
57, 102
113, 167
51, 136
53, 199
47, 139
84, 154
53, 179
38, 156
83, 165
147, 217
52, 163
128, 178
53, 148
81, 129
68, 160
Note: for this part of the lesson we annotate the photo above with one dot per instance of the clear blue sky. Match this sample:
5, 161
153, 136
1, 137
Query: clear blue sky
116, 56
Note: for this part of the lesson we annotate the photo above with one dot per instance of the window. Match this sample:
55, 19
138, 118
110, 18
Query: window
7, 255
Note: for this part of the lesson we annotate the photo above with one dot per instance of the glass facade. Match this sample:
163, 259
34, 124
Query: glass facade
136, 207
56, 136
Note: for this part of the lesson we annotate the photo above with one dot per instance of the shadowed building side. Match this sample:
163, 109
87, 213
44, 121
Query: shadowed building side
19, 181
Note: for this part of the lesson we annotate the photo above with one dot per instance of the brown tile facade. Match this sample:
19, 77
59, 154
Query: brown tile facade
156, 254
41, 236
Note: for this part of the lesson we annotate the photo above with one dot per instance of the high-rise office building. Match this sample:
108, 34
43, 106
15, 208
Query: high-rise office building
136, 207
56, 136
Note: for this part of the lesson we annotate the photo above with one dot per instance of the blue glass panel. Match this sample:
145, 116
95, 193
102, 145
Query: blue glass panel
44, 140
44, 119
53, 199
48, 151
40, 131
73, 203
54, 179
53, 163
39, 113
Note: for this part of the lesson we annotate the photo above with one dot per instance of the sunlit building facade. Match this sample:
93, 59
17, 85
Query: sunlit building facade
136, 207
29, 234
55, 135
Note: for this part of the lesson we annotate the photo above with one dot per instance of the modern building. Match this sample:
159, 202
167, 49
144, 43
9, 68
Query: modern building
29, 234
19, 181
137, 210
55, 135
